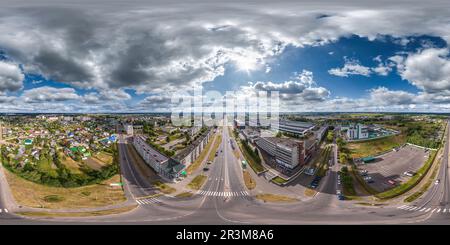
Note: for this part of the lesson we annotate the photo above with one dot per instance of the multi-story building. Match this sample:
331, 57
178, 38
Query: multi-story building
239, 124
188, 155
356, 132
129, 129
288, 153
295, 128
166, 167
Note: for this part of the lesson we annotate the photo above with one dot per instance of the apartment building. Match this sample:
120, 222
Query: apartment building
188, 155
166, 167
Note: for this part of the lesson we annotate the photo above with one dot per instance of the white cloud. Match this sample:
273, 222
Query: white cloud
49, 94
428, 69
351, 67
11, 77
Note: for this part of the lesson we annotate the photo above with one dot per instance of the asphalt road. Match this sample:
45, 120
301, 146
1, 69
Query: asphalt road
224, 200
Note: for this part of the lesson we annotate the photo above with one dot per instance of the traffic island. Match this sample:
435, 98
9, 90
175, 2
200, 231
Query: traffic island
267, 197
197, 182
78, 214
250, 183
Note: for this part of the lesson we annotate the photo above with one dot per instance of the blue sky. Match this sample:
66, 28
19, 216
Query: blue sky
57, 57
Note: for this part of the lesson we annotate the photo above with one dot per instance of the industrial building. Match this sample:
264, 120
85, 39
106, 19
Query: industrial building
288, 153
356, 132
300, 129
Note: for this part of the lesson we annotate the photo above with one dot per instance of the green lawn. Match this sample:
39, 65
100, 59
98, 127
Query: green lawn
372, 147
197, 182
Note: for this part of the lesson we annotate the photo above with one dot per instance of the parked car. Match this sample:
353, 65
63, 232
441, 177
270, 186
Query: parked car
409, 173
341, 197
205, 169
391, 182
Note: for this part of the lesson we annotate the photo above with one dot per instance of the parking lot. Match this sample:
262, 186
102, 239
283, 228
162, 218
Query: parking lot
390, 167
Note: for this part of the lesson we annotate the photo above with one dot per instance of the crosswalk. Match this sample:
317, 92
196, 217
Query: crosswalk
436, 210
223, 194
148, 201
3, 210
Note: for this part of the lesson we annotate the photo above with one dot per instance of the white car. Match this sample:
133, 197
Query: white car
437, 181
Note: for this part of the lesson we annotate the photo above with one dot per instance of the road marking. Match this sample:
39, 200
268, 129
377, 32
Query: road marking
438, 211
422, 209
433, 210
401, 207
1, 211
445, 210
6, 210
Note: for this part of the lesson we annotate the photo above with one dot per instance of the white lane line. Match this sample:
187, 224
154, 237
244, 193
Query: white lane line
426, 211
422, 209
445, 210
438, 211
403, 206
139, 202
1, 211
6, 210
413, 209
208, 193
433, 210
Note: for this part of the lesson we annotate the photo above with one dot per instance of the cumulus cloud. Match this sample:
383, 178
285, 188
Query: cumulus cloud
302, 89
153, 47
351, 67
11, 76
428, 69
49, 94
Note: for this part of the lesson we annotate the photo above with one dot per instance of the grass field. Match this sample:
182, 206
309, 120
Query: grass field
164, 188
216, 145
104, 158
79, 214
184, 194
274, 198
310, 192
71, 164
197, 182
250, 183
30, 194
279, 180
372, 147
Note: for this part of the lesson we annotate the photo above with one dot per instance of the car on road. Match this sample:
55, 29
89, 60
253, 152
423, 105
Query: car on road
409, 173
391, 182
363, 172
315, 182
368, 179
208, 162
437, 181
205, 169
217, 153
